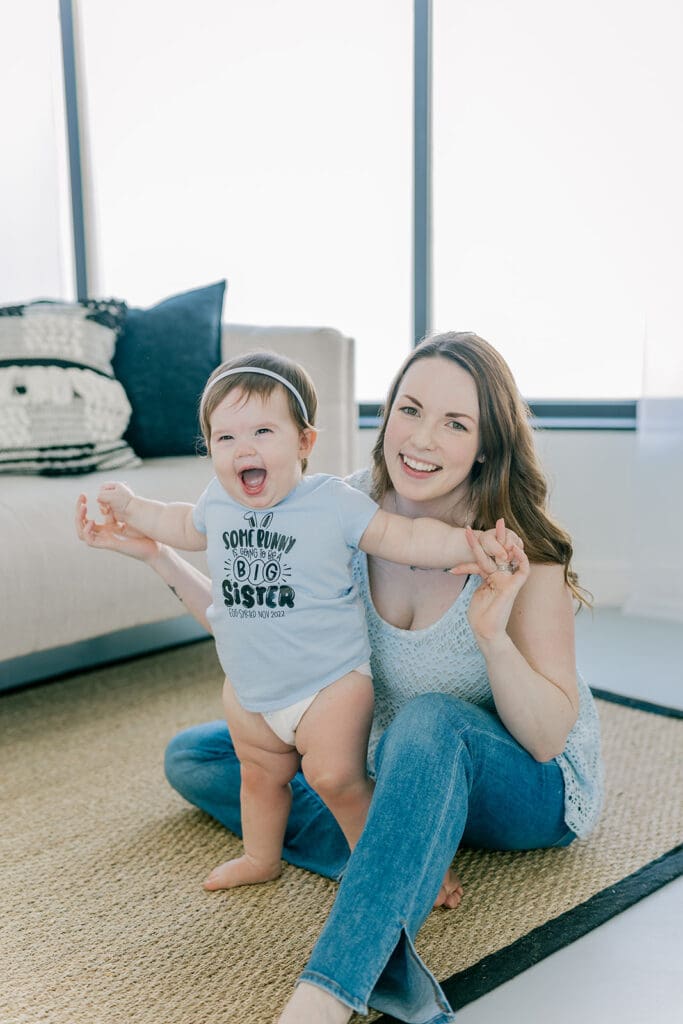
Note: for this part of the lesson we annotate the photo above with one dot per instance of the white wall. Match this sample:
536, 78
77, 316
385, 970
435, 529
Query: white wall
590, 475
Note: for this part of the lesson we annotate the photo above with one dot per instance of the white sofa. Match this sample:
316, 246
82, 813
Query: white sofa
65, 606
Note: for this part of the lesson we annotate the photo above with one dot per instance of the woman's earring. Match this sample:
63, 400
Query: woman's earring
481, 458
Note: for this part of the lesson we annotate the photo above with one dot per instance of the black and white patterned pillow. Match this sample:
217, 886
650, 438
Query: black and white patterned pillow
61, 408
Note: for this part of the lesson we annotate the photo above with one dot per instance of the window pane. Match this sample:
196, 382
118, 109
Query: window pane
557, 170
35, 256
266, 142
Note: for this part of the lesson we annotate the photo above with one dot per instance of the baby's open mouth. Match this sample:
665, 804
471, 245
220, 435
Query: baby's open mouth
253, 480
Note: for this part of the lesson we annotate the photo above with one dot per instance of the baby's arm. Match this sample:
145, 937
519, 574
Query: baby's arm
169, 523
429, 543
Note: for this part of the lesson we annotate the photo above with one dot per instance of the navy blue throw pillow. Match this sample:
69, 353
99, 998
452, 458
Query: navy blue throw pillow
163, 359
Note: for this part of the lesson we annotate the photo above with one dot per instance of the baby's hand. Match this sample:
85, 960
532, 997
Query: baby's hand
115, 498
498, 543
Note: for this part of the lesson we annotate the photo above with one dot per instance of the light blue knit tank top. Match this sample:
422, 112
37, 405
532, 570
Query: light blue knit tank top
445, 658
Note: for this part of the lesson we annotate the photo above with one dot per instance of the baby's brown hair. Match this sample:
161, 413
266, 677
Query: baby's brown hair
259, 384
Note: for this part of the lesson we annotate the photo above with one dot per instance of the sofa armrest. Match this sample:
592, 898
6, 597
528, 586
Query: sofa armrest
328, 356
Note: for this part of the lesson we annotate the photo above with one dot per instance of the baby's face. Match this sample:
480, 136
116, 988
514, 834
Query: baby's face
257, 448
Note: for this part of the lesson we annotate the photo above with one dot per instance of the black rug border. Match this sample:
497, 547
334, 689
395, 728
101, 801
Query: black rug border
636, 704
494, 970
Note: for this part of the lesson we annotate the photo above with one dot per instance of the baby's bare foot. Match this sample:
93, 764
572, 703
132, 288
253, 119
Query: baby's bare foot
451, 891
241, 871
312, 1005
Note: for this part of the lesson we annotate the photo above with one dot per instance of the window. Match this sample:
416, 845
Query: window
557, 169
271, 143
266, 142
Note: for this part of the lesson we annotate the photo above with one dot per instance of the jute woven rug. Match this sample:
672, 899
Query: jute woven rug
102, 916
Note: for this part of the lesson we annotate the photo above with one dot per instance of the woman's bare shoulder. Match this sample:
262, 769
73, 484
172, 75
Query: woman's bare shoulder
546, 577
545, 599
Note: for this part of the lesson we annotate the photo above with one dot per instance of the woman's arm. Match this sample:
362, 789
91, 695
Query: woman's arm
189, 585
524, 625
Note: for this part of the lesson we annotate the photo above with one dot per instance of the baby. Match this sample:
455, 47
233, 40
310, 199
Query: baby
289, 628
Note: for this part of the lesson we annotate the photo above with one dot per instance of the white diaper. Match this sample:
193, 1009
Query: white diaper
284, 722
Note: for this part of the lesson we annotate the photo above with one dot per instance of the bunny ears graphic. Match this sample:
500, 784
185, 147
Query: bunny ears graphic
252, 519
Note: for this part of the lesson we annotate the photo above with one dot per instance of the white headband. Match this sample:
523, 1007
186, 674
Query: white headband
266, 373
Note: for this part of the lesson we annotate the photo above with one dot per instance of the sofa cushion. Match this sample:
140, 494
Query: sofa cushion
55, 590
163, 358
61, 409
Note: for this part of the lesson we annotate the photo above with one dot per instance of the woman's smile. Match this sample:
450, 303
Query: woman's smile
418, 467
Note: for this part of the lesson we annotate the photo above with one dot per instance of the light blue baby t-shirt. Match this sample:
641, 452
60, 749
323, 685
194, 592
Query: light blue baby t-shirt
285, 614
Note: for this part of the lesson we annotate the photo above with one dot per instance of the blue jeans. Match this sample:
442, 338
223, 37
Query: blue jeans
448, 772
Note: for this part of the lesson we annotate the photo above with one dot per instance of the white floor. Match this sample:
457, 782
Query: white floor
630, 970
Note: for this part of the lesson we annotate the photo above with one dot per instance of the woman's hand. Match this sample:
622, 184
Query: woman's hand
188, 583
111, 534
503, 578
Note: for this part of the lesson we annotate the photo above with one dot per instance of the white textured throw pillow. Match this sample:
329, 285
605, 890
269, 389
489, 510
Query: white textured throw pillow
61, 408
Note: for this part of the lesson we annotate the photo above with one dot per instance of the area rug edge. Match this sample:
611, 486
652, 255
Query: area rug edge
548, 938
636, 704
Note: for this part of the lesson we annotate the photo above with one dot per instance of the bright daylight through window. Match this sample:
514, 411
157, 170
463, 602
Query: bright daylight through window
264, 142
557, 169
272, 144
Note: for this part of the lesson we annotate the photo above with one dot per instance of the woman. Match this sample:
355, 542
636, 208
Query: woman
483, 732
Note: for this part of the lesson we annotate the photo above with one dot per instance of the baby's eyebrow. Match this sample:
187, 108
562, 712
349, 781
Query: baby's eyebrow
271, 424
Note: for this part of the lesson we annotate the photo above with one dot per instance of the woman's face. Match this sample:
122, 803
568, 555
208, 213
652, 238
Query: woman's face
432, 435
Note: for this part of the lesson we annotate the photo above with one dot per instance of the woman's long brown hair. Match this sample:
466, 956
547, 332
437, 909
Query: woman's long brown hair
510, 481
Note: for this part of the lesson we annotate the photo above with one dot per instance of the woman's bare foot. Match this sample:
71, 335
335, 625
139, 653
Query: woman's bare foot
451, 891
241, 871
312, 1005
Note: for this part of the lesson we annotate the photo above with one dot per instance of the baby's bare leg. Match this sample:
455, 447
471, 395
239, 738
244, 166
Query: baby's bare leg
267, 766
333, 740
